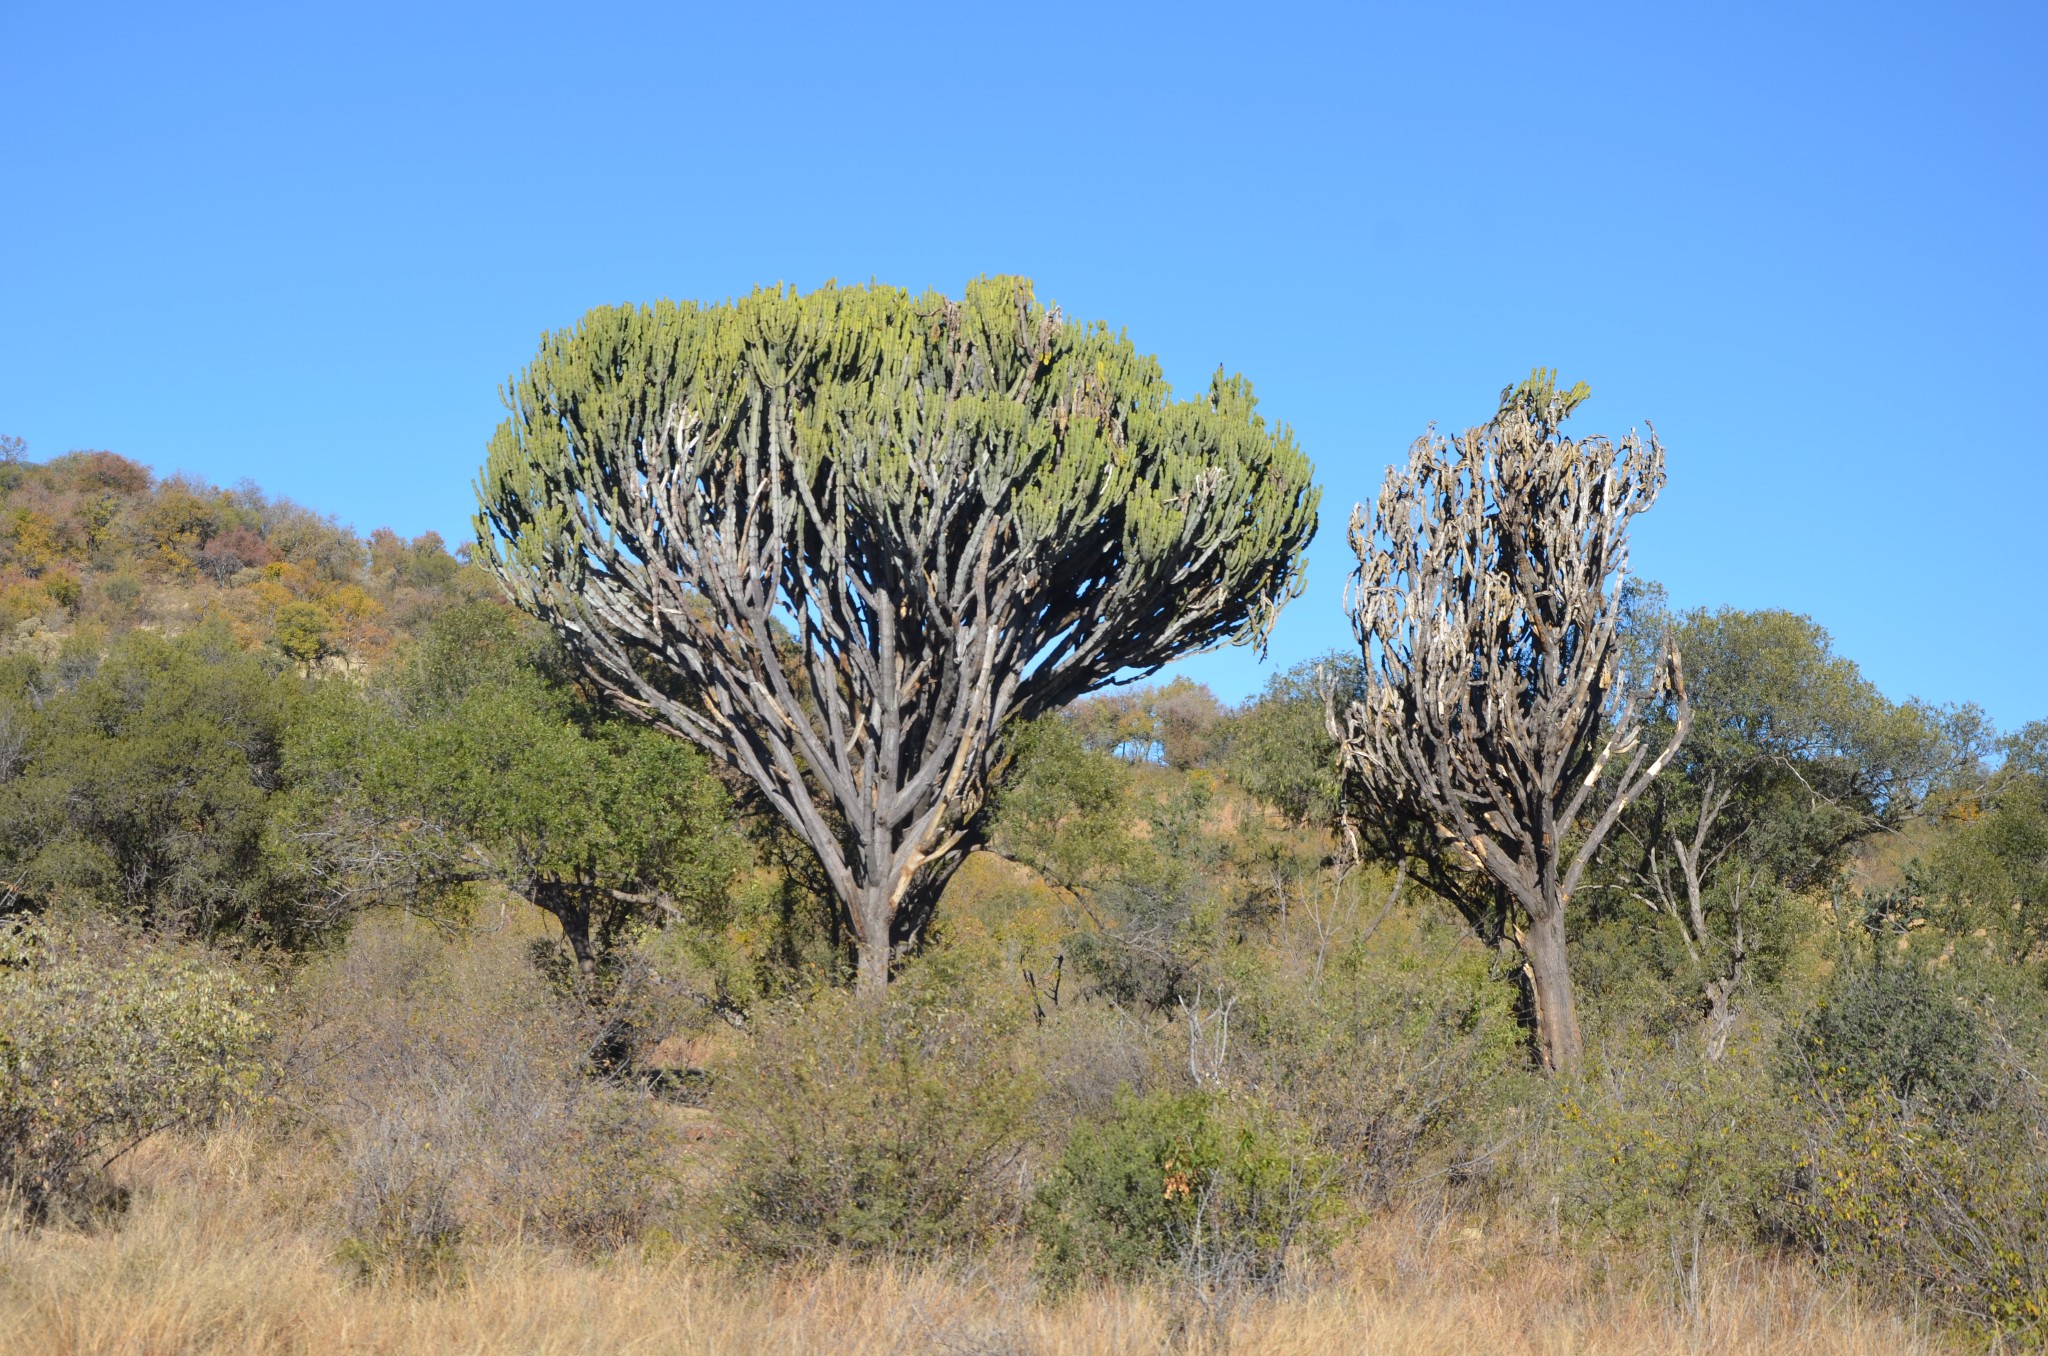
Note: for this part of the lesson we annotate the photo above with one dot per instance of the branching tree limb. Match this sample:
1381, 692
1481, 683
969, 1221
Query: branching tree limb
1492, 736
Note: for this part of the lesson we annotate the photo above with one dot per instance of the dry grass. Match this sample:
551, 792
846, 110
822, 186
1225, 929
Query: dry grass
210, 1261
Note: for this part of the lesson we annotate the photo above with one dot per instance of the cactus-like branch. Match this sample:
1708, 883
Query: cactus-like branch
1492, 732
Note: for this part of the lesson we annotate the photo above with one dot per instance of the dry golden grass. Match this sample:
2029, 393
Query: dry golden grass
210, 1261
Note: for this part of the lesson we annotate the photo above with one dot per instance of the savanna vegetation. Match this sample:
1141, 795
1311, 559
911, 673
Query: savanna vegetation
758, 897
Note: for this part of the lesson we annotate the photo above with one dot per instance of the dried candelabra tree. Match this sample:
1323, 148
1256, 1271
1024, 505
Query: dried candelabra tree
1491, 738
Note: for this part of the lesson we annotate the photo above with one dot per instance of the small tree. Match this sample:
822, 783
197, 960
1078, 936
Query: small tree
1794, 758
847, 540
142, 784
1493, 740
471, 763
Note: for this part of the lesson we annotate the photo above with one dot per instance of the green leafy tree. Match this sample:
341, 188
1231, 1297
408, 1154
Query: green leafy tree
1177, 724
847, 540
1137, 863
1066, 810
476, 763
144, 784
1992, 867
1280, 748
1793, 759
304, 631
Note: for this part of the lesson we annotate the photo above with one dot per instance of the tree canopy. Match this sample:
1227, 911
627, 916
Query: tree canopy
140, 781
1793, 758
473, 762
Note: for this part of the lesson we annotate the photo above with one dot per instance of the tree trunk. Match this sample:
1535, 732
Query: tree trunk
1720, 1017
872, 913
886, 925
871, 978
574, 916
1550, 982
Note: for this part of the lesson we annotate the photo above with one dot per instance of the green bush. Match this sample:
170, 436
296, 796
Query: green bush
1395, 1061
1922, 1162
1896, 1028
98, 1053
892, 1127
1187, 1183
1662, 1146
123, 588
1952, 1209
144, 787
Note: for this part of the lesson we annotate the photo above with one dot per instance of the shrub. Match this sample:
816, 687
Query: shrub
1188, 1183
891, 1127
63, 588
400, 1209
1663, 1146
123, 588
99, 1053
304, 631
1953, 1209
1393, 1061
454, 1089
1923, 1156
1894, 1027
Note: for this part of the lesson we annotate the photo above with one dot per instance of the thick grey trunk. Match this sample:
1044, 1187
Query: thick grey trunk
872, 912
871, 977
886, 924
1550, 983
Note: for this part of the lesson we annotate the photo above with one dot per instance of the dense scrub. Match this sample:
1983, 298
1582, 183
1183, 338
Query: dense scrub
468, 966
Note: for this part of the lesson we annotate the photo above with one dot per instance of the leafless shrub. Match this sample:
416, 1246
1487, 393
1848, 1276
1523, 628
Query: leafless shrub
456, 1091
400, 1212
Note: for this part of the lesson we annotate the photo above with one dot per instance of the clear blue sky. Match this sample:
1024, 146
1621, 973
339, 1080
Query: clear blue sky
305, 243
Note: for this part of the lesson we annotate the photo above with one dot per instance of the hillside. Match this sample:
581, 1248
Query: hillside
95, 542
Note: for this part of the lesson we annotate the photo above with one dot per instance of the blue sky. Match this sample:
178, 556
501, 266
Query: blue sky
305, 244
